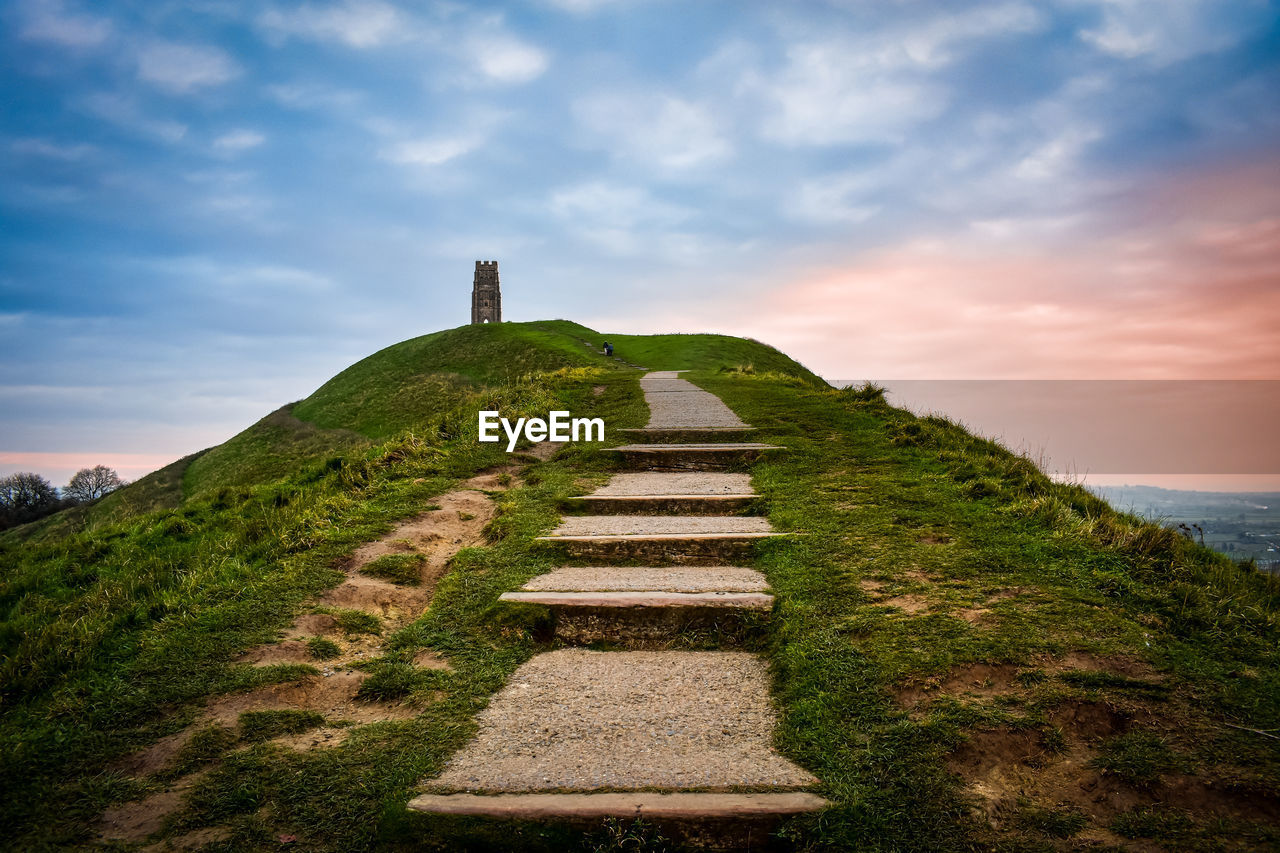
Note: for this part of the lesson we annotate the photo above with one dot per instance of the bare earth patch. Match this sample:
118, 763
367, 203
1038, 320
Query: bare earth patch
437, 535
324, 737
908, 603
140, 819
1006, 768
191, 841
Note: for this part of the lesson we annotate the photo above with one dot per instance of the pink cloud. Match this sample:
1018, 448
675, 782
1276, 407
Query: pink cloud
1185, 284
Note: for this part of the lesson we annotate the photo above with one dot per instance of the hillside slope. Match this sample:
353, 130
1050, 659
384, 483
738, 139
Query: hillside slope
968, 655
405, 387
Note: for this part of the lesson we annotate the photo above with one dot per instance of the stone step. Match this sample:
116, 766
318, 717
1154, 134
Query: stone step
638, 606
652, 525
677, 483
705, 456
591, 721
692, 549
696, 820
688, 435
651, 619
649, 578
662, 504
642, 804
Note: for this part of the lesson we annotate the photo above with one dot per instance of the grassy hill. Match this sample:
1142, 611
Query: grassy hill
411, 386
951, 619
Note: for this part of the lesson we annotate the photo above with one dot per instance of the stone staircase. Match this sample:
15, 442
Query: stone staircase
682, 738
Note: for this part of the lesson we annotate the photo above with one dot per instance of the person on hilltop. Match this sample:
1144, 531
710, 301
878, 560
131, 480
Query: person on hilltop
608, 349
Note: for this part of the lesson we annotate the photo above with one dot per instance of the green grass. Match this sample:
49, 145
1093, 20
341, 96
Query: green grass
403, 569
1140, 758
322, 648
356, 622
264, 725
113, 637
920, 506
271, 449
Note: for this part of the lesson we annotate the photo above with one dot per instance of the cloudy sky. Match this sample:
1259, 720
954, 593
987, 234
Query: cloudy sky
209, 207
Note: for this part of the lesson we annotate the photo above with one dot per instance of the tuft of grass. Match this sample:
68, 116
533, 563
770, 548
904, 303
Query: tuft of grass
1159, 822
388, 681
1052, 823
1139, 758
617, 835
205, 746
352, 622
1097, 680
258, 726
322, 648
401, 569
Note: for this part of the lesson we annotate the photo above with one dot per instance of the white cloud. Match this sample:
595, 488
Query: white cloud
506, 59
847, 87
355, 23
123, 111
610, 204
238, 140
49, 21
625, 220
833, 199
1056, 157
668, 132
1166, 31
934, 43
52, 150
431, 150
584, 7
180, 68
832, 93
312, 96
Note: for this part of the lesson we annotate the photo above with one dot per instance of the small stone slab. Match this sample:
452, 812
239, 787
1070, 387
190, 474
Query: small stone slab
676, 483
701, 549
693, 456
580, 720
655, 806
663, 504
659, 525
684, 435
648, 598
636, 578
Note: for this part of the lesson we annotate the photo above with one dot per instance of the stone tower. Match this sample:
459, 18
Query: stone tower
486, 297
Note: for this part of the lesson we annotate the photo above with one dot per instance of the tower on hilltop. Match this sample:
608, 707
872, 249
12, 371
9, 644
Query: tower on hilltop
486, 297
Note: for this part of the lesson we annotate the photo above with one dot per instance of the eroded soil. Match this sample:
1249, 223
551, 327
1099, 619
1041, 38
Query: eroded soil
457, 521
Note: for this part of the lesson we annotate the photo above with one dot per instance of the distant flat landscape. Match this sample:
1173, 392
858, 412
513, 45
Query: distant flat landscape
1242, 525
1113, 435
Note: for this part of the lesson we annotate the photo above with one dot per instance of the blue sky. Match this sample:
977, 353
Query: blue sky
208, 208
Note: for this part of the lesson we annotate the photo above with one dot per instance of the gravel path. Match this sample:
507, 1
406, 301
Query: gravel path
582, 720
677, 403
662, 483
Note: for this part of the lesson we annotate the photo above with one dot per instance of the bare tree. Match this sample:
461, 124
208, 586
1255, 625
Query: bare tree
25, 497
89, 484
